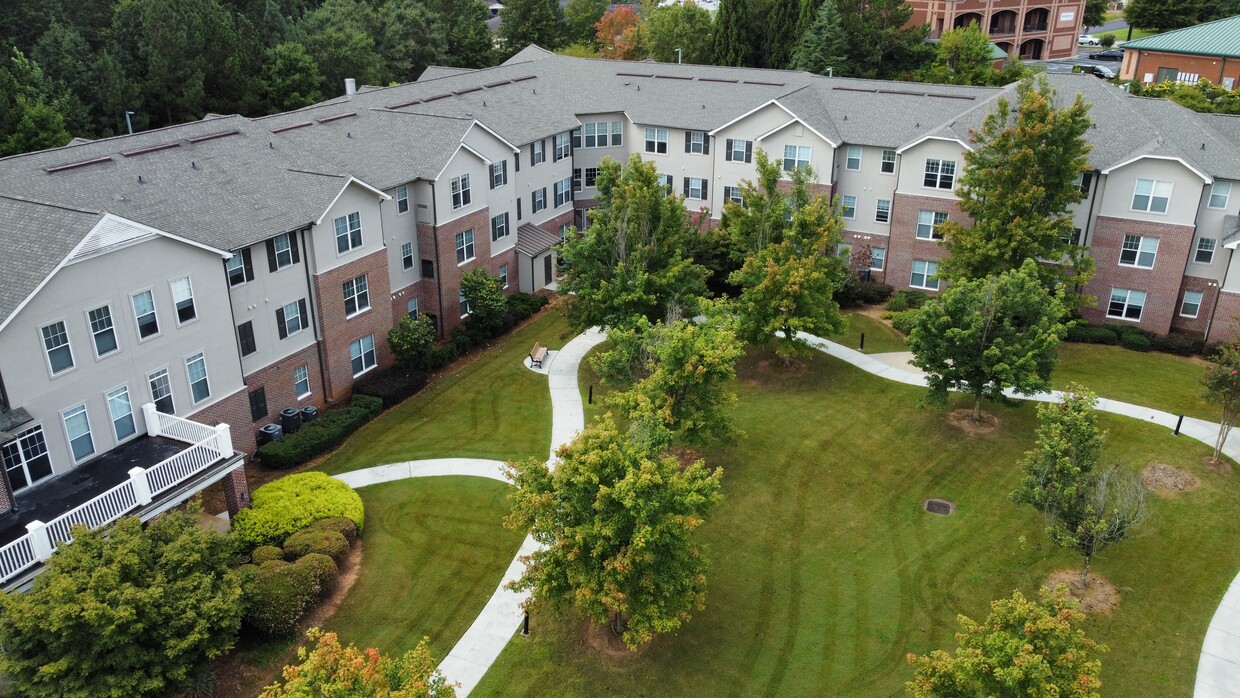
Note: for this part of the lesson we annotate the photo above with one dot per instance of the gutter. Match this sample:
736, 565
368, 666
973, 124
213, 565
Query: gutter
438, 267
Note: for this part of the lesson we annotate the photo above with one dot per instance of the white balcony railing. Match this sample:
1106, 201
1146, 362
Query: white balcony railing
209, 446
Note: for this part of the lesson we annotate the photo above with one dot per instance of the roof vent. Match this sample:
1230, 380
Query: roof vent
193, 165
140, 180
213, 136
337, 117
350, 86
1203, 146
118, 197
290, 127
74, 165
150, 149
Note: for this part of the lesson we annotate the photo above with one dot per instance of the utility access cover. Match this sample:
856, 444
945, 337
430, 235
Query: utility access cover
942, 507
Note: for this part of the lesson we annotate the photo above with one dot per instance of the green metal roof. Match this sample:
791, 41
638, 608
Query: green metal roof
996, 52
1218, 38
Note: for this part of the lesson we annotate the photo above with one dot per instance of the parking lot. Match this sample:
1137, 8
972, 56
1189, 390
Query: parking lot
1082, 58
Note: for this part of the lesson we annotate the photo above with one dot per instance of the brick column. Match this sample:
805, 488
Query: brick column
236, 491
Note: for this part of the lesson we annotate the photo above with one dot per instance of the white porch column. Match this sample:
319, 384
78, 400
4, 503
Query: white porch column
223, 440
141, 488
40, 541
151, 416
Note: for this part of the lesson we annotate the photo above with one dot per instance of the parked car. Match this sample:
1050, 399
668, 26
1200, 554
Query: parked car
1108, 55
1088, 40
1103, 72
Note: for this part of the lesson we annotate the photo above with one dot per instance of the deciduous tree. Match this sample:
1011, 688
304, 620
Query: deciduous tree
1023, 648
29, 119
412, 341
1020, 180
988, 335
616, 523
686, 27
581, 18
1095, 14
291, 77
621, 35
962, 57
468, 42
125, 611
1163, 15
1222, 387
630, 263
484, 296
525, 22
348, 672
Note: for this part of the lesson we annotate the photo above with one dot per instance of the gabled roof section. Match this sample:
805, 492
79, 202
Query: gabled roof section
441, 71
533, 52
352, 181
1168, 157
37, 237
1218, 38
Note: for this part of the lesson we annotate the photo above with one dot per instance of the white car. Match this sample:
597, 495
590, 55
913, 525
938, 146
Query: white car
1088, 40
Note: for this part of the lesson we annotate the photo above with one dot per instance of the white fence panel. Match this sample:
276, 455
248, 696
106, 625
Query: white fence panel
100, 511
15, 557
183, 465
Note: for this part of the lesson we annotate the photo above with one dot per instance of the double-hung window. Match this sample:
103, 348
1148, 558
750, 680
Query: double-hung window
239, 268
591, 176
301, 381
878, 258
362, 355
281, 252
928, 223
25, 458
697, 143
1205, 251
796, 157
102, 331
56, 344
1126, 304
120, 409
940, 174
577, 179
1151, 195
656, 140
183, 298
464, 246
882, 211
853, 160
695, 188
1138, 251
563, 191
733, 194
666, 181
499, 173
596, 134
144, 314
1220, 192
563, 147
196, 371
738, 150
503, 275
538, 200
538, 153
161, 391
848, 207
292, 318
77, 428
499, 226
460, 191
356, 296
1192, 304
402, 199
463, 302
924, 275
406, 255
348, 232
411, 308
889, 162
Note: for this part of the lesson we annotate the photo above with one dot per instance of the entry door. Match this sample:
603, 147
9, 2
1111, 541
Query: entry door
547, 271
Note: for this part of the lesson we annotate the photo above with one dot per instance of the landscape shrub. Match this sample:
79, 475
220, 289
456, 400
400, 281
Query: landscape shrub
283, 507
412, 342
525, 304
340, 524
278, 596
1107, 40
1123, 330
904, 320
263, 553
393, 386
1089, 334
1179, 344
324, 569
872, 292
906, 300
320, 436
330, 543
1135, 342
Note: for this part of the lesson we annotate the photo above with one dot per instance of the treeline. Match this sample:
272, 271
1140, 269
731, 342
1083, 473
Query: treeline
76, 66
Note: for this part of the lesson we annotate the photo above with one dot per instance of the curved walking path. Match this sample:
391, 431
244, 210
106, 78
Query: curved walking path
490, 632
1218, 670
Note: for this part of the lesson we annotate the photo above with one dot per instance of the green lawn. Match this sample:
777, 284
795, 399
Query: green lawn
490, 407
434, 550
826, 572
880, 337
1162, 381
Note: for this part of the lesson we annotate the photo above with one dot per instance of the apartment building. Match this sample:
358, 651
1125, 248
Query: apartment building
1032, 29
218, 272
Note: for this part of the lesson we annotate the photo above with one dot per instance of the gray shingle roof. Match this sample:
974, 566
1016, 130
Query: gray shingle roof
36, 238
533, 240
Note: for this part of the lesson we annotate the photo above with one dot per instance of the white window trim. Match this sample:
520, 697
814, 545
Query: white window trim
402, 199
309, 387
939, 175
884, 258
411, 256
1226, 197
47, 357
1200, 300
240, 257
360, 310
466, 245
656, 140
1140, 249
1197, 249
167, 374
926, 276
702, 185
94, 346
373, 348
159, 327
288, 238
112, 420
348, 234
193, 301
892, 161
1128, 291
463, 189
848, 157
301, 321
64, 425
877, 209
206, 375
1132, 202
934, 227
796, 159
844, 208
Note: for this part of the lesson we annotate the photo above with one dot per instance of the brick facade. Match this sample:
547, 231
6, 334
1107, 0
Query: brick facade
1141, 63
1014, 25
277, 382
1222, 327
449, 272
1161, 283
858, 240
905, 246
338, 331
236, 491
1195, 326
234, 411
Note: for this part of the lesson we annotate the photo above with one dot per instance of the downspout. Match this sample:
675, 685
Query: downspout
232, 314
313, 307
1095, 194
443, 322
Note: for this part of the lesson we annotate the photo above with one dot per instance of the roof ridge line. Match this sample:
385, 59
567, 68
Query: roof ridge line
51, 204
120, 136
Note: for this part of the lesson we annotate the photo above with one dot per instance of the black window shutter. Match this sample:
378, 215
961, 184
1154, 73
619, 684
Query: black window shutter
258, 404
686, 186
248, 264
727, 151
271, 256
516, 158
504, 167
428, 269
305, 317
748, 151
518, 208
704, 185
280, 323
492, 177
544, 142
688, 140
292, 241
705, 144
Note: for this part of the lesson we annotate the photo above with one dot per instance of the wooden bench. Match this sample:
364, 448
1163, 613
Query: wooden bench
537, 354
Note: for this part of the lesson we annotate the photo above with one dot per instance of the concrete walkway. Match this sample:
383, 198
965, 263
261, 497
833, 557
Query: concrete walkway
490, 632
1218, 670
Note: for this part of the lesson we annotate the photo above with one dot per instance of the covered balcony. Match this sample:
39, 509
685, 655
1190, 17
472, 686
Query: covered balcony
176, 459
964, 20
1003, 23
1037, 20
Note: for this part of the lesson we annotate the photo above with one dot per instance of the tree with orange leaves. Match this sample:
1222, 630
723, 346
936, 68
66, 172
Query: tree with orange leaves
621, 34
347, 672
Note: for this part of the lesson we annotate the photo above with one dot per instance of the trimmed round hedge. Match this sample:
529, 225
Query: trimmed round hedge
330, 543
264, 553
281, 508
324, 569
278, 596
340, 524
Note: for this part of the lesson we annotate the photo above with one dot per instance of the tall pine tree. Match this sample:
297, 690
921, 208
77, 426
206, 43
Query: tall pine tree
735, 34
781, 34
525, 22
823, 46
878, 42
